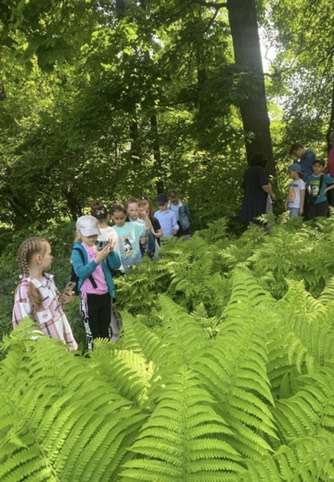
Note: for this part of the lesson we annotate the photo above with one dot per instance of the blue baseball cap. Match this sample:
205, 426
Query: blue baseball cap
162, 198
295, 167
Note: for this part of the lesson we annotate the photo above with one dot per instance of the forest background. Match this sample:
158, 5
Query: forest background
224, 368
112, 99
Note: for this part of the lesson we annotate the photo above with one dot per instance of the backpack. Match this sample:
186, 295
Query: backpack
75, 278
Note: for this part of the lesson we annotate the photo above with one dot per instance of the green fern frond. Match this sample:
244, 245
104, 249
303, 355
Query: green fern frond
327, 295
182, 439
246, 294
59, 420
302, 304
138, 338
308, 459
310, 411
183, 339
300, 340
124, 369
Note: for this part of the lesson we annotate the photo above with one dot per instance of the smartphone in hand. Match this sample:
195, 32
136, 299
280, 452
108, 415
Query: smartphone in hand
69, 287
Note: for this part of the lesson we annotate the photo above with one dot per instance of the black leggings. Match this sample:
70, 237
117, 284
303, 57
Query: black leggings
99, 314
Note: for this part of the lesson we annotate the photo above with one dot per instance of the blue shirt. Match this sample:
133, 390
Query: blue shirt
130, 234
167, 221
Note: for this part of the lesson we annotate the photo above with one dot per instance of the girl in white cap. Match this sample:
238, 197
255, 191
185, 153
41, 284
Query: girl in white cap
94, 270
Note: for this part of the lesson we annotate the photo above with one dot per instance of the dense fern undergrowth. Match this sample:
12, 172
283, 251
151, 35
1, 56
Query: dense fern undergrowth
224, 371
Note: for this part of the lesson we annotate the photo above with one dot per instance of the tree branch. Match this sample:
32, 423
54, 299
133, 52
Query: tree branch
217, 6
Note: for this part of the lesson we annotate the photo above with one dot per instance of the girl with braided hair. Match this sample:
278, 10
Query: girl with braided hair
37, 296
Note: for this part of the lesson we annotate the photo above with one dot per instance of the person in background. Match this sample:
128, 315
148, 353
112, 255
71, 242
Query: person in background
130, 234
318, 185
306, 158
154, 235
256, 189
131, 207
166, 217
106, 232
296, 196
94, 269
37, 296
182, 214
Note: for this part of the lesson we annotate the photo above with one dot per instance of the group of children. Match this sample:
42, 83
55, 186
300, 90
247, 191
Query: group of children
99, 253
308, 198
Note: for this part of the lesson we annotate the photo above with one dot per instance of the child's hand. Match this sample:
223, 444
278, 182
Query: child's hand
143, 215
66, 298
100, 255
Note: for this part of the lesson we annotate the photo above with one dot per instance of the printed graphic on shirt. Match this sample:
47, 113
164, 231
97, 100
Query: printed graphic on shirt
315, 188
127, 245
293, 192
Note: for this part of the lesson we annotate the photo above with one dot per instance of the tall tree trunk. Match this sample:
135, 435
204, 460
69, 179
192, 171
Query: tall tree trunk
247, 53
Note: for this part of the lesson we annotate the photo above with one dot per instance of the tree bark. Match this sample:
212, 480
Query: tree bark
247, 53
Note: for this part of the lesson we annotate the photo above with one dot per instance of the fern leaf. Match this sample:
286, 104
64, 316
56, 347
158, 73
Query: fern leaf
127, 370
310, 411
187, 446
48, 431
183, 339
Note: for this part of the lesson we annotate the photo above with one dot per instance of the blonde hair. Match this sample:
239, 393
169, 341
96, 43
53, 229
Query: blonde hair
29, 247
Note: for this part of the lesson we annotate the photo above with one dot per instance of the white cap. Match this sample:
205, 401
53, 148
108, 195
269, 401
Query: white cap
88, 225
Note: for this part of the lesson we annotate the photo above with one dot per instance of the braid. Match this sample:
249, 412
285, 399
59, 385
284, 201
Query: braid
26, 250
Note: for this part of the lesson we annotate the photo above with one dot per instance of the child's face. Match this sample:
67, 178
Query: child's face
143, 209
132, 211
45, 259
119, 218
294, 174
317, 168
89, 240
163, 207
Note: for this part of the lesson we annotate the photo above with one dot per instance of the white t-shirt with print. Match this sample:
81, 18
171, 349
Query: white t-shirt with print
295, 188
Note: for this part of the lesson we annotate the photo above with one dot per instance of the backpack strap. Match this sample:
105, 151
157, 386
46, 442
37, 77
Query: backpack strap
320, 185
114, 272
90, 277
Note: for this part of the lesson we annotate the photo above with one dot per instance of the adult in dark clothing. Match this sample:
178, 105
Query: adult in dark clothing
306, 158
256, 189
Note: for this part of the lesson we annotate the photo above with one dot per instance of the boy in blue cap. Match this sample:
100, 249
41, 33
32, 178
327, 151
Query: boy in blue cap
296, 196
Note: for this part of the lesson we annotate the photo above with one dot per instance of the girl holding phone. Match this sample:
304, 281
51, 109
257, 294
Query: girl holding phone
37, 296
94, 269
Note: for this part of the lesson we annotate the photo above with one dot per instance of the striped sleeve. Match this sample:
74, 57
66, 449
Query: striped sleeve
22, 307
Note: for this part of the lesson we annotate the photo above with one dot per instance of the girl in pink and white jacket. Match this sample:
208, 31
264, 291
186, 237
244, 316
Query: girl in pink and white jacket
36, 295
